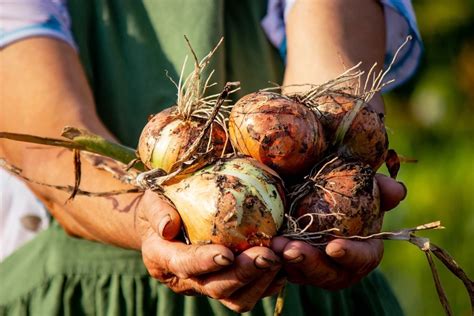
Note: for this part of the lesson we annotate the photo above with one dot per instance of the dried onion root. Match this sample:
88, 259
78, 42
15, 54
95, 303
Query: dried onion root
169, 135
351, 127
342, 196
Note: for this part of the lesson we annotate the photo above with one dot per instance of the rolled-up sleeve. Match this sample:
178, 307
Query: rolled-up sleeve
20, 19
400, 23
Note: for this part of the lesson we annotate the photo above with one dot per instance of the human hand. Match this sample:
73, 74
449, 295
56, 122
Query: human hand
238, 282
344, 262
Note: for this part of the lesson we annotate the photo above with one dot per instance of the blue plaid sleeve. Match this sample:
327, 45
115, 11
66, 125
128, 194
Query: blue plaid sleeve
21, 19
400, 23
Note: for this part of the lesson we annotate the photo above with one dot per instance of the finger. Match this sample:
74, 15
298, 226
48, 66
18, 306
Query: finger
246, 297
278, 244
391, 192
360, 257
248, 266
163, 218
306, 264
183, 286
276, 285
164, 257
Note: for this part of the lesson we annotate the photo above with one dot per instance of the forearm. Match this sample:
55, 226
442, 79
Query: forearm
326, 37
43, 90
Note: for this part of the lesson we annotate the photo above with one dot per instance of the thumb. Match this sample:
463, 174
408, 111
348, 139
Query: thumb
391, 192
161, 215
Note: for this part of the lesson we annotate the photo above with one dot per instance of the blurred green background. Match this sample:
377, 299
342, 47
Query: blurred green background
431, 118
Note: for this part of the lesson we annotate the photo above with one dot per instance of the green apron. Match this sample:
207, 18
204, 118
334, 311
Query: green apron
126, 47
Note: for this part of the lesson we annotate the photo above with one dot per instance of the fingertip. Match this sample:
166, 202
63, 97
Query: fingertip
223, 260
194, 260
225, 252
296, 251
160, 214
361, 256
278, 244
262, 257
405, 190
169, 225
392, 192
335, 249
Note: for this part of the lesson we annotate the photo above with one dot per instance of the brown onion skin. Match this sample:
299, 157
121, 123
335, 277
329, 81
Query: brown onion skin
348, 191
209, 203
184, 135
366, 139
281, 133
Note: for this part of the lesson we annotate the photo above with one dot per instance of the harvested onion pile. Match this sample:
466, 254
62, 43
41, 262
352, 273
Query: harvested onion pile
298, 134
236, 202
325, 141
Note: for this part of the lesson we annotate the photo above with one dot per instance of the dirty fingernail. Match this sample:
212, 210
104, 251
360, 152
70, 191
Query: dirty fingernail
405, 190
222, 260
163, 223
335, 251
264, 263
297, 259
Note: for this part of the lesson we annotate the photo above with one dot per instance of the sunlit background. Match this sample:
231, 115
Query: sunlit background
431, 119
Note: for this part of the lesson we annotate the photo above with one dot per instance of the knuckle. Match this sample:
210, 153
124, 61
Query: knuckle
215, 293
219, 292
179, 287
333, 281
243, 308
155, 274
183, 265
172, 263
245, 274
238, 307
343, 282
369, 264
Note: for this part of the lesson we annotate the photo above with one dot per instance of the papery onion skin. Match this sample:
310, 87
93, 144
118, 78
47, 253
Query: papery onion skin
366, 138
346, 196
237, 203
281, 133
166, 137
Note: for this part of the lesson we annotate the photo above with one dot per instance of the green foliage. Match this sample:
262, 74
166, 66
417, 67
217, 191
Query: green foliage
431, 119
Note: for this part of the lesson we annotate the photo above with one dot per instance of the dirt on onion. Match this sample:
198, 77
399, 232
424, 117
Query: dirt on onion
238, 203
168, 136
353, 128
277, 131
344, 197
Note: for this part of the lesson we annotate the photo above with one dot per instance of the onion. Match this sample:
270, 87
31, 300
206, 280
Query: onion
237, 203
345, 196
281, 133
181, 132
168, 135
361, 131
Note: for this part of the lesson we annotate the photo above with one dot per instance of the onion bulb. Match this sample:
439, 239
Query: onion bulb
363, 135
281, 133
344, 195
236, 202
167, 136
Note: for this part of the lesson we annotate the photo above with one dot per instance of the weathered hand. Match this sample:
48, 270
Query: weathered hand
239, 282
343, 262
